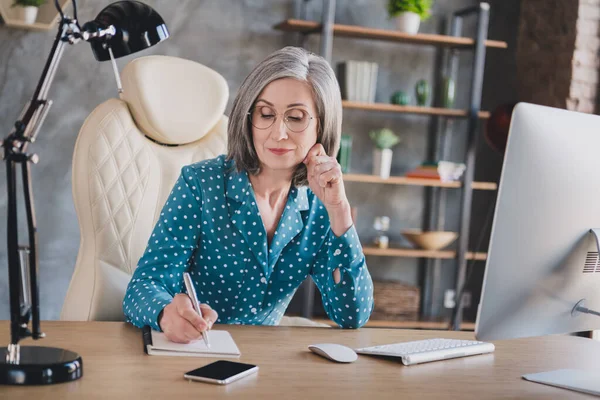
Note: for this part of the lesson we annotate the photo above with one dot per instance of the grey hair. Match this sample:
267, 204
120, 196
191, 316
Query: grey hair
289, 62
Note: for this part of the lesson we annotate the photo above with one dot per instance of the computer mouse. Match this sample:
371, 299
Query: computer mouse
334, 352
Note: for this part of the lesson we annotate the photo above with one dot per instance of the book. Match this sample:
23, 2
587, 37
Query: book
373, 82
363, 82
222, 345
342, 76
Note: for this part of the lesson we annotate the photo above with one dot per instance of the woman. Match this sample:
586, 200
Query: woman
246, 226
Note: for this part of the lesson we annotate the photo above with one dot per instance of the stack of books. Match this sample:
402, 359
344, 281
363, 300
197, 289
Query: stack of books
358, 80
444, 171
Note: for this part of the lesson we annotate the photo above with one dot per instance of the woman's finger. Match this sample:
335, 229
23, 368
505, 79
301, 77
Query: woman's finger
321, 168
316, 150
332, 176
210, 315
321, 159
314, 161
189, 331
192, 317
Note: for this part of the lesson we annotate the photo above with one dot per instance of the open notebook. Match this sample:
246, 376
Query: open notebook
221, 345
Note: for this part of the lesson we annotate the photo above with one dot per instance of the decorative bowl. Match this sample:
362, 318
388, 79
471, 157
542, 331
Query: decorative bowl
430, 240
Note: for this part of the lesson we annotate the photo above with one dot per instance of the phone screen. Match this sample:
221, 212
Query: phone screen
220, 370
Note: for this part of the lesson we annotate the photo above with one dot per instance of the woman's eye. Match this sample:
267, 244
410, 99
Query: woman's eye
295, 115
266, 116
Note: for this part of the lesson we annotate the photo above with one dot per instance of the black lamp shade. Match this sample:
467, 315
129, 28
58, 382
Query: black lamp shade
138, 27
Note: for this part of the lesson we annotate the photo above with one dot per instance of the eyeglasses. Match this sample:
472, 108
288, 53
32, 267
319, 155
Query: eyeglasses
263, 117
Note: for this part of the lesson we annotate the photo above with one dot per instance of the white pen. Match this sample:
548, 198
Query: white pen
191, 292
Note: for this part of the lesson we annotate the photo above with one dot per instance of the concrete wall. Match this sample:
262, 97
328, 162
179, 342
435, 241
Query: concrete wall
231, 36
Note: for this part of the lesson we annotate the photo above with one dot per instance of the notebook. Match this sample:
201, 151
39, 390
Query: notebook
221, 345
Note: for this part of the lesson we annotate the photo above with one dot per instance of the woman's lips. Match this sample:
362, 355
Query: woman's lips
280, 152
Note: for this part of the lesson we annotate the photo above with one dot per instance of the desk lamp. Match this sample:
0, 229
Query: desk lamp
120, 29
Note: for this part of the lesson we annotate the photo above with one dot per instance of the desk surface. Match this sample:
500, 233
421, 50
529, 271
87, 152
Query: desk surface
114, 366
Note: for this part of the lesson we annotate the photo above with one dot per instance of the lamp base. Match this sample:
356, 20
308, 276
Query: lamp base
40, 366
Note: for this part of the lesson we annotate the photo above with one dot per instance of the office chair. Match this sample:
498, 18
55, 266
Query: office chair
127, 157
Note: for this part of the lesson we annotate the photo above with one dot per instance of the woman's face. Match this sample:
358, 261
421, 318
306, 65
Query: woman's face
282, 145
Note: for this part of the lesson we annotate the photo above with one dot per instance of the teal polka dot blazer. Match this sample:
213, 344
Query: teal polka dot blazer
211, 227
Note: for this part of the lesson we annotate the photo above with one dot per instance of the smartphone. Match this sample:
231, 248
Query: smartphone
221, 372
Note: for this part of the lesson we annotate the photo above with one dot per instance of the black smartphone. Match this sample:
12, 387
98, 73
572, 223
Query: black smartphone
221, 372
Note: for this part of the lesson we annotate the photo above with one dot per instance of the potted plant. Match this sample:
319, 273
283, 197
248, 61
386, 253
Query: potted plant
28, 9
384, 140
409, 13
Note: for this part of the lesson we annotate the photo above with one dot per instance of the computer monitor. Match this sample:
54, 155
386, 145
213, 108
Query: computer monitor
543, 272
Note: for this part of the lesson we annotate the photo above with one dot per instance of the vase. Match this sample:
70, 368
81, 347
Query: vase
408, 22
422, 92
449, 92
382, 162
343, 156
28, 14
400, 98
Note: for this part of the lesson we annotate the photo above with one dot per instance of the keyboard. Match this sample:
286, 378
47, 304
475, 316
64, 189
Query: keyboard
422, 351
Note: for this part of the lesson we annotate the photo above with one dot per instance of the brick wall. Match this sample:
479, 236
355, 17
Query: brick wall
557, 53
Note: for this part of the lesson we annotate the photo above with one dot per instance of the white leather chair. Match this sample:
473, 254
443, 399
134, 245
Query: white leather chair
127, 157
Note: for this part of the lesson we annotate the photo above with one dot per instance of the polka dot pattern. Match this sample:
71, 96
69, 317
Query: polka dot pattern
211, 227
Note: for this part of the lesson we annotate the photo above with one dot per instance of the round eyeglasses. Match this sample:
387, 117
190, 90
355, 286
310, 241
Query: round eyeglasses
263, 117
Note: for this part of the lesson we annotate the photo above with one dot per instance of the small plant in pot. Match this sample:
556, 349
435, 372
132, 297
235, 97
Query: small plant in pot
28, 9
409, 13
384, 140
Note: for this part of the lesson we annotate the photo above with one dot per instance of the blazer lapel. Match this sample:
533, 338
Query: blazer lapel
290, 224
245, 216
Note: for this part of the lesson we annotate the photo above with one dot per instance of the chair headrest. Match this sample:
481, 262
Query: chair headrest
173, 100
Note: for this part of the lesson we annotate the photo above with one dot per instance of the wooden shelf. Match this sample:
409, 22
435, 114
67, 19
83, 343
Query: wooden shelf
47, 17
352, 31
436, 325
445, 112
417, 253
402, 180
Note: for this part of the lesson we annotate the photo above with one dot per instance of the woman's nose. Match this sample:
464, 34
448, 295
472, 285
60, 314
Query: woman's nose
279, 131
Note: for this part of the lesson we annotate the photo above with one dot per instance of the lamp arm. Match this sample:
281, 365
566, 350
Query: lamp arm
22, 275
24, 305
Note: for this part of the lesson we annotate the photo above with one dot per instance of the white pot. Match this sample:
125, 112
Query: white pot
28, 14
382, 162
408, 22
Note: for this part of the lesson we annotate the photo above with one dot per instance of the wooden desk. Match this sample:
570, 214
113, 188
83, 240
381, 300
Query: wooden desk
115, 367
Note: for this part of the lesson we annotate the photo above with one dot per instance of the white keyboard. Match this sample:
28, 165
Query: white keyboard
422, 351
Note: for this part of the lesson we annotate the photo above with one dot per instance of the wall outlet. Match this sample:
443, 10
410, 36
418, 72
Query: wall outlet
466, 300
449, 299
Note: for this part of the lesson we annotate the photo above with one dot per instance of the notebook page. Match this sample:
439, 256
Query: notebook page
221, 343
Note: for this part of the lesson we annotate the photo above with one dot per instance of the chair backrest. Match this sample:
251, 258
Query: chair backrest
127, 157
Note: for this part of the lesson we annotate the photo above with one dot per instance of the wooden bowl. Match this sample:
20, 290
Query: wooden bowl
431, 240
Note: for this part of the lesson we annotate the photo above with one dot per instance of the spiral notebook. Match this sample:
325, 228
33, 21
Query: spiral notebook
221, 345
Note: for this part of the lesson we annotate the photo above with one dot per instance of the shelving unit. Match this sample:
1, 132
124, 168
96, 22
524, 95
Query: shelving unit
383, 107
360, 32
46, 19
416, 253
478, 45
401, 180
421, 324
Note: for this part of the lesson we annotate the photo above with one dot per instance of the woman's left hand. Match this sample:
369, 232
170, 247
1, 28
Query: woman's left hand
325, 178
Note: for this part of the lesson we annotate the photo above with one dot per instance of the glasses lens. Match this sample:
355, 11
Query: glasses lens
296, 119
262, 117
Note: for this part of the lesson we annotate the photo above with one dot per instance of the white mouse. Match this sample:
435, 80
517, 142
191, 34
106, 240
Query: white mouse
334, 352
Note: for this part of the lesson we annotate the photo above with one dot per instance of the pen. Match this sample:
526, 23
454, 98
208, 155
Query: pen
191, 292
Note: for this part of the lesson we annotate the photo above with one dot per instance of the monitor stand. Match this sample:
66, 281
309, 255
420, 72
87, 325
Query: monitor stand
573, 379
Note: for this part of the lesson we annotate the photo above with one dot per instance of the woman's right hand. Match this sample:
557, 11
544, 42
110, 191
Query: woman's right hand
181, 323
